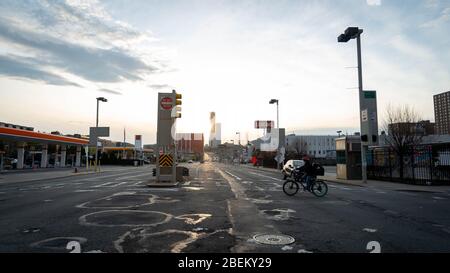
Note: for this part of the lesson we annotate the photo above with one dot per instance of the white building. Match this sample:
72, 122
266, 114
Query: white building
319, 146
215, 137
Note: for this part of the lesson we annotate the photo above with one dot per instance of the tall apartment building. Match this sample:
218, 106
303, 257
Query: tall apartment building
442, 113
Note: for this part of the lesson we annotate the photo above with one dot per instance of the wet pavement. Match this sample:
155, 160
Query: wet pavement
222, 208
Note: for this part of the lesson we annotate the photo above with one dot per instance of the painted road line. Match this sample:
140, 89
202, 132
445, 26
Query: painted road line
234, 176
266, 176
133, 176
105, 176
103, 185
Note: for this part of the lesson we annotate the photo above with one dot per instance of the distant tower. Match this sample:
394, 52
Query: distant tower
215, 132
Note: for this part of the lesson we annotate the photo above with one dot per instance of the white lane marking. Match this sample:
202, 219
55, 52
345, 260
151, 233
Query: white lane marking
121, 183
84, 190
235, 176
138, 183
284, 248
105, 176
439, 198
132, 176
266, 176
340, 187
110, 184
370, 230
103, 185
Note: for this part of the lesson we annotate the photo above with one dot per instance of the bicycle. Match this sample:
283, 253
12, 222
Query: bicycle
318, 187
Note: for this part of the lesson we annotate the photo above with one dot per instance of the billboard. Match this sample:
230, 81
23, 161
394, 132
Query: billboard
264, 124
138, 142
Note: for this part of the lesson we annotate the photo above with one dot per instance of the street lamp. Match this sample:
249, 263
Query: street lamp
239, 133
239, 148
355, 33
273, 101
339, 133
96, 125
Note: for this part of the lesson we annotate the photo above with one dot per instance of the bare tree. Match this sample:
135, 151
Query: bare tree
401, 125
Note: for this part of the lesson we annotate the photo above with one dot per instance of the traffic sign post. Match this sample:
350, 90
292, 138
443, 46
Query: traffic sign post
168, 112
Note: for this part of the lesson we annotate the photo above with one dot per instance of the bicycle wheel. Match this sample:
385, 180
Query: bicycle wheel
290, 188
319, 188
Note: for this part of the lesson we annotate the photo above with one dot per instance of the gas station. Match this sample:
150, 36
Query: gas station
22, 148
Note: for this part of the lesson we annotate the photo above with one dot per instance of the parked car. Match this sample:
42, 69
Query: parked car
290, 166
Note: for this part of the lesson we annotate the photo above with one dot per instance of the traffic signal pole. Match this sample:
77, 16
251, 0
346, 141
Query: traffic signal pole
361, 97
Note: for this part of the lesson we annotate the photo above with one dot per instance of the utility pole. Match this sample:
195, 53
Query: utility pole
352, 33
96, 126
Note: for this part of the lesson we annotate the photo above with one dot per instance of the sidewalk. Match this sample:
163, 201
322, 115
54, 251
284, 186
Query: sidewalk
372, 183
45, 174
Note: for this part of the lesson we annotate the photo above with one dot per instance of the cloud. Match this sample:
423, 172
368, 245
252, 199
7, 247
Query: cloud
109, 91
23, 68
442, 18
159, 86
373, 2
78, 39
408, 47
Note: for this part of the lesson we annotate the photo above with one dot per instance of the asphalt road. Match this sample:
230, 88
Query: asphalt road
220, 209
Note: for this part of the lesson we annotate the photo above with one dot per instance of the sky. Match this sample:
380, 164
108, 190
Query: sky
230, 57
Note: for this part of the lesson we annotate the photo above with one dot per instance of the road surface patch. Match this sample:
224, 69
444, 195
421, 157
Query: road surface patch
125, 218
175, 241
278, 214
193, 219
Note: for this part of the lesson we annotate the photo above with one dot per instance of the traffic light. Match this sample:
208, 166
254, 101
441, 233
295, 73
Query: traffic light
364, 138
176, 110
178, 99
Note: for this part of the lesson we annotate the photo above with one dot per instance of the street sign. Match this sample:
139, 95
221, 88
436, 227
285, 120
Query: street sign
138, 142
165, 160
166, 103
369, 120
263, 124
364, 115
99, 131
370, 94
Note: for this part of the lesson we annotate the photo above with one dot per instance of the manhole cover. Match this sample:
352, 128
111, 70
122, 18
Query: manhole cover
272, 239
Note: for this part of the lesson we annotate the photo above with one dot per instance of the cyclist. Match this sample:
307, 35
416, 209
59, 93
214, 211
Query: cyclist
309, 171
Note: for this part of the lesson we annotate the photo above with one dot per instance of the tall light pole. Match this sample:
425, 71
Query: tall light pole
96, 125
240, 152
273, 101
355, 33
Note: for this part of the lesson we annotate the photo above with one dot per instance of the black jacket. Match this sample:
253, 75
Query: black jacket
308, 168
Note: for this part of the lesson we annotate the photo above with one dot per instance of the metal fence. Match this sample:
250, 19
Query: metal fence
422, 165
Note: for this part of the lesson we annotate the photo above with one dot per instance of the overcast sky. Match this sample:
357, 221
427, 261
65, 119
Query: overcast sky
230, 57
